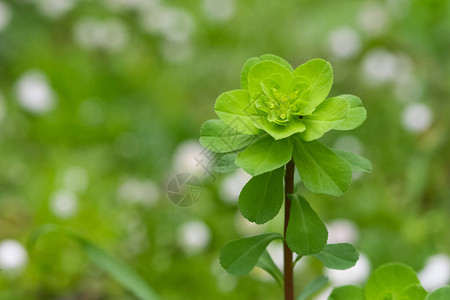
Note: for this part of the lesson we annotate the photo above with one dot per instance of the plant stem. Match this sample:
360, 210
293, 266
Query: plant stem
288, 265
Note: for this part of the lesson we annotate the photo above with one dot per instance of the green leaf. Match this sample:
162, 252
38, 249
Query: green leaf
357, 163
246, 69
414, 292
219, 137
440, 294
306, 234
347, 292
390, 280
313, 287
277, 59
224, 163
338, 256
356, 116
329, 114
263, 70
235, 110
266, 263
321, 170
240, 256
278, 131
261, 198
123, 274
264, 155
318, 74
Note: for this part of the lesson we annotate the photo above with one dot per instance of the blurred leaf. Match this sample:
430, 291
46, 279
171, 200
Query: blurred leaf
240, 256
123, 274
338, 256
440, 294
325, 117
221, 138
390, 280
313, 287
266, 263
306, 233
261, 198
264, 155
321, 170
357, 113
347, 292
357, 163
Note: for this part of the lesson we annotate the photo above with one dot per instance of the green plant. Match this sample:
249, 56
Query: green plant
268, 127
390, 281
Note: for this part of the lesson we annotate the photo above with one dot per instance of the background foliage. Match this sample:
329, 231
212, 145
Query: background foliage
101, 104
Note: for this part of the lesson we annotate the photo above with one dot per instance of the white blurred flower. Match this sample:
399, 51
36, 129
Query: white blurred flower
139, 191
76, 179
417, 117
342, 231
325, 294
2, 108
5, 15
194, 236
344, 42
55, 9
13, 256
373, 18
34, 92
173, 24
64, 204
379, 66
399, 8
177, 52
247, 228
121, 5
355, 275
219, 10
276, 251
436, 272
110, 35
349, 143
189, 158
232, 185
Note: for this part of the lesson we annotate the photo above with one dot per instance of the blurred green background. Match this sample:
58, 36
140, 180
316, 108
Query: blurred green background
101, 103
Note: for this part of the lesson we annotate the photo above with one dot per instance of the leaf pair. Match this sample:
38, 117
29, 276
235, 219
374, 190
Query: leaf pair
390, 281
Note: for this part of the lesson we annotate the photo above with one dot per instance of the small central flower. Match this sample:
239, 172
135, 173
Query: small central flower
278, 103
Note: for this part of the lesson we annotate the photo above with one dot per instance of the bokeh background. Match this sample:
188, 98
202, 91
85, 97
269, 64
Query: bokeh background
101, 103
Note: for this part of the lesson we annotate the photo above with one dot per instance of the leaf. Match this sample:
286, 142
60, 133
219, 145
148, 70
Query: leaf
321, 170
235, 110
338, 256
277, 59
240, 256
277, 131
306, 233
264, 155
347, 292
356, 116
313, 287
123, 274
266, 263
224, 163
246, 69
219, 137
329, 114
414, 292
440, 294
390, 280
263, 70
318, 74
357, 163
261, 198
